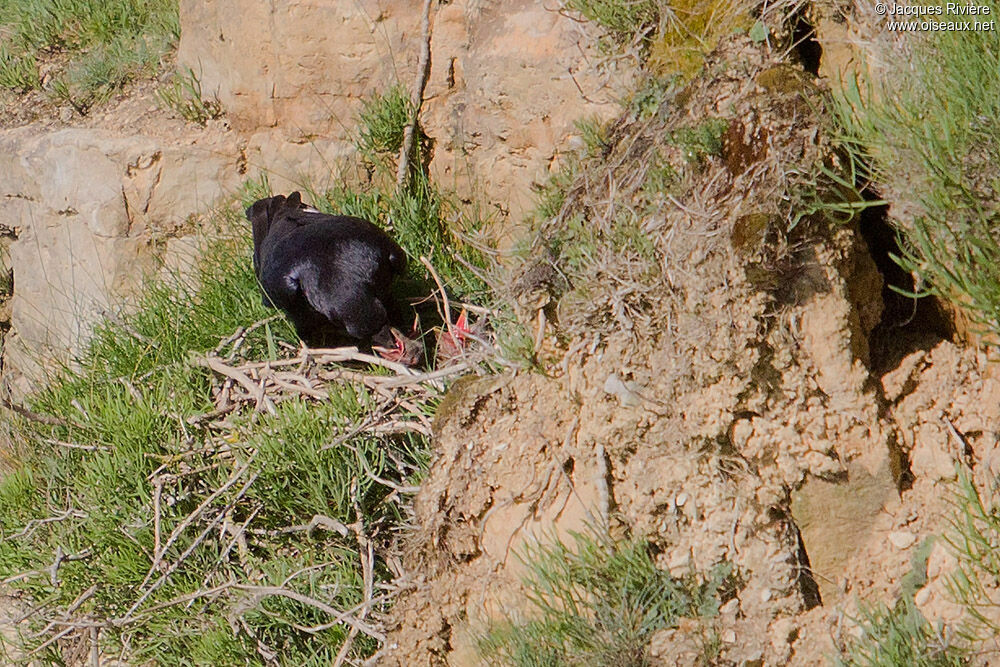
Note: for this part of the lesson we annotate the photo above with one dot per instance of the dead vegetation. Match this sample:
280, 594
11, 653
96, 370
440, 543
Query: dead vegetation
604, 255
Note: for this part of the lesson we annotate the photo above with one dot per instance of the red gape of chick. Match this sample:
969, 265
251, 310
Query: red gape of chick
454, 339
407, 350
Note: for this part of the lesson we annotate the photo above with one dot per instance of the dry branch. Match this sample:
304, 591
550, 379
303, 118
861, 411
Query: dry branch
318, 521
31, 415
344, 617
416, 98
187, 552
182, 526
253, 388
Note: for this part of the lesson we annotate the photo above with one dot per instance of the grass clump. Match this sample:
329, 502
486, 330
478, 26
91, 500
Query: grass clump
702, 140
18, 73
973, 539
691, 29
899, 636
186, 535
598, 603
382, 120
96, 46
625, 20
184, 95
922, 130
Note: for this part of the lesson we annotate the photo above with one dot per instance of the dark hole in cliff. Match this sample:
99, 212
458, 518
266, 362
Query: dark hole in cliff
899, 465
568, 466
907, 324
808, 588
807, 47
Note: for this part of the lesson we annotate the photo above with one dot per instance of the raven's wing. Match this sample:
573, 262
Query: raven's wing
343, 281
340, 288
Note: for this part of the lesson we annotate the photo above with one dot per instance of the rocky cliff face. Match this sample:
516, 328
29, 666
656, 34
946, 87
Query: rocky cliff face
92, 213
507, 81
764, 411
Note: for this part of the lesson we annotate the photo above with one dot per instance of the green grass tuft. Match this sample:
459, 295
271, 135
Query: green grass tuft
973, 539
926, 129
598, 603
623, 19
899, 636
18, 73
382, 121
594, 134
97, 45
185, 96
702, 140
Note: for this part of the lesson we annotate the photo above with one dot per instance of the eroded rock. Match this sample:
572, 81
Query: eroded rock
86, 206
708, 409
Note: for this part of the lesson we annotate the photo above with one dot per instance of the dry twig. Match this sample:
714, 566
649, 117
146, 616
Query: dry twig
344, 617
416, 98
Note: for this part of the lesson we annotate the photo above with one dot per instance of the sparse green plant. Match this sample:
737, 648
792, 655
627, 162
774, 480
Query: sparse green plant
625, 20
661, 179
252, 189
594, 134
382, 121
702, 140
514, 341
104, 44
916, 578
645, 101
184, 95
822, 191
899, 636
922, 129
596, 262
6, 282
551, 195
973, 539
598, 603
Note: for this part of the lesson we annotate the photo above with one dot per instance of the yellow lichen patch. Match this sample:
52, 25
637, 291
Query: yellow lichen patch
691, 30
749, 230
785, 79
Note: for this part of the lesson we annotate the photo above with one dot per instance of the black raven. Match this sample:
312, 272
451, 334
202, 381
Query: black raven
331, 274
